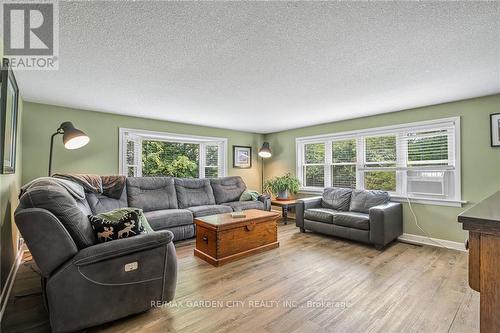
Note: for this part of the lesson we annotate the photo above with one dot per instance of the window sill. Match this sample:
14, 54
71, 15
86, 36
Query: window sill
429, 201
402, 199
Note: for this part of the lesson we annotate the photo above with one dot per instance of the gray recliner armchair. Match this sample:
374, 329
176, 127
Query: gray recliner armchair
86, 283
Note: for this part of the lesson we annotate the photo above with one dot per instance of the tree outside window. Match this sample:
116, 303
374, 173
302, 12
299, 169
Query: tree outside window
160, 158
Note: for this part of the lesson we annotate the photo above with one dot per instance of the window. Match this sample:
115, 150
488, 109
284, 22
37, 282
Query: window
314, 165
417, 160
380, 163
145, 153
212, 161
430, 162
344, 163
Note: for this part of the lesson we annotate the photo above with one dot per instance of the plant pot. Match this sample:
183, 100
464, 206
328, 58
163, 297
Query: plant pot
283, 195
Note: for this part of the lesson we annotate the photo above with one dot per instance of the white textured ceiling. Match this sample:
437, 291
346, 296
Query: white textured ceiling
269, 66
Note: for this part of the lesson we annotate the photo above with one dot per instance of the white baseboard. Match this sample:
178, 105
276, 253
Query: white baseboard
417, 239
9, 283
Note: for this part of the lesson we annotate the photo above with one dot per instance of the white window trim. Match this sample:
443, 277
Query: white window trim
400, 165
173, 137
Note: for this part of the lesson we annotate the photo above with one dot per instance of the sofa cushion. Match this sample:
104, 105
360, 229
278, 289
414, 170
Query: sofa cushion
352, 220
336, 198
194, 192
199, 211
244, 205
362, 201
100, 203
167, 218
183, 232
324, 215
151, 193
227, 189
59, 202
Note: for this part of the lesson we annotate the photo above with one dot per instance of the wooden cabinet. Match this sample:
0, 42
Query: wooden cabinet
483, 223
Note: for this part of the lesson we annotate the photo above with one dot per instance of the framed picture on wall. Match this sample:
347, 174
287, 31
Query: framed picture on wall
9, 99
495, 129
242, 157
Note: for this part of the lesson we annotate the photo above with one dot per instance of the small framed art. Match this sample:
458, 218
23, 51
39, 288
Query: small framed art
9, 99
495, 129
242, 157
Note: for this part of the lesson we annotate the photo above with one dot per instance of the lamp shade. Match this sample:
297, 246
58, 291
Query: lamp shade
265, 150
73, 138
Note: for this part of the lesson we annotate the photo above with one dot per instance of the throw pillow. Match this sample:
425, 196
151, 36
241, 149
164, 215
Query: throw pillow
118, 213
249, 196
119, 223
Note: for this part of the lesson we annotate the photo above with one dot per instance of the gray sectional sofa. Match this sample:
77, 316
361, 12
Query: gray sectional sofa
173, 203
86, 283
365, 216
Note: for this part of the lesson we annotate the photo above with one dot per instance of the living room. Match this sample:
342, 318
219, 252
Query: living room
250, 166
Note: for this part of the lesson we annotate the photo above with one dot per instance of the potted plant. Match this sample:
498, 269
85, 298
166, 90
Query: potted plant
282, 186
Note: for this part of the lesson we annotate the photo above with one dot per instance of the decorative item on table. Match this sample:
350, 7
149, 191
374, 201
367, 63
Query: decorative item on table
238, 215
9, 100
242, 157
495, 129
282, 186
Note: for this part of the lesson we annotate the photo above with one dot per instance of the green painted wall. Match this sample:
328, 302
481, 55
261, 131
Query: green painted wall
480, 162
9, 190
100, 156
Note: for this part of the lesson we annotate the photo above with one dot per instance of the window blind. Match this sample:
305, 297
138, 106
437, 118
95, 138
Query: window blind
429, 147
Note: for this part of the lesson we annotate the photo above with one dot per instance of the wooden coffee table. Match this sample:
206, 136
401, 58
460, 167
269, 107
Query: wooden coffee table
221, 238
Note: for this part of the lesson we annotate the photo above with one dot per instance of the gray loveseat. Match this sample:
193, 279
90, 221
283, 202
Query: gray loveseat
365, 216
86, 283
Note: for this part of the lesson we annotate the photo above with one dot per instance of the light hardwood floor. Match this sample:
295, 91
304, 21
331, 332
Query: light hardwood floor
405, 288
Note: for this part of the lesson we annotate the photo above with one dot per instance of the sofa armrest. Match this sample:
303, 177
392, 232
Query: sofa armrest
386, 223
302, 205
122, 247
48, 240
266, 199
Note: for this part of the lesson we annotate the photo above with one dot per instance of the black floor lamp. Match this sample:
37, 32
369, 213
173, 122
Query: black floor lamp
73, 138
264, 152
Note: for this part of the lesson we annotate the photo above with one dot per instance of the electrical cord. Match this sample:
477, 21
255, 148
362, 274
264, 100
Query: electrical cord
422, 229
